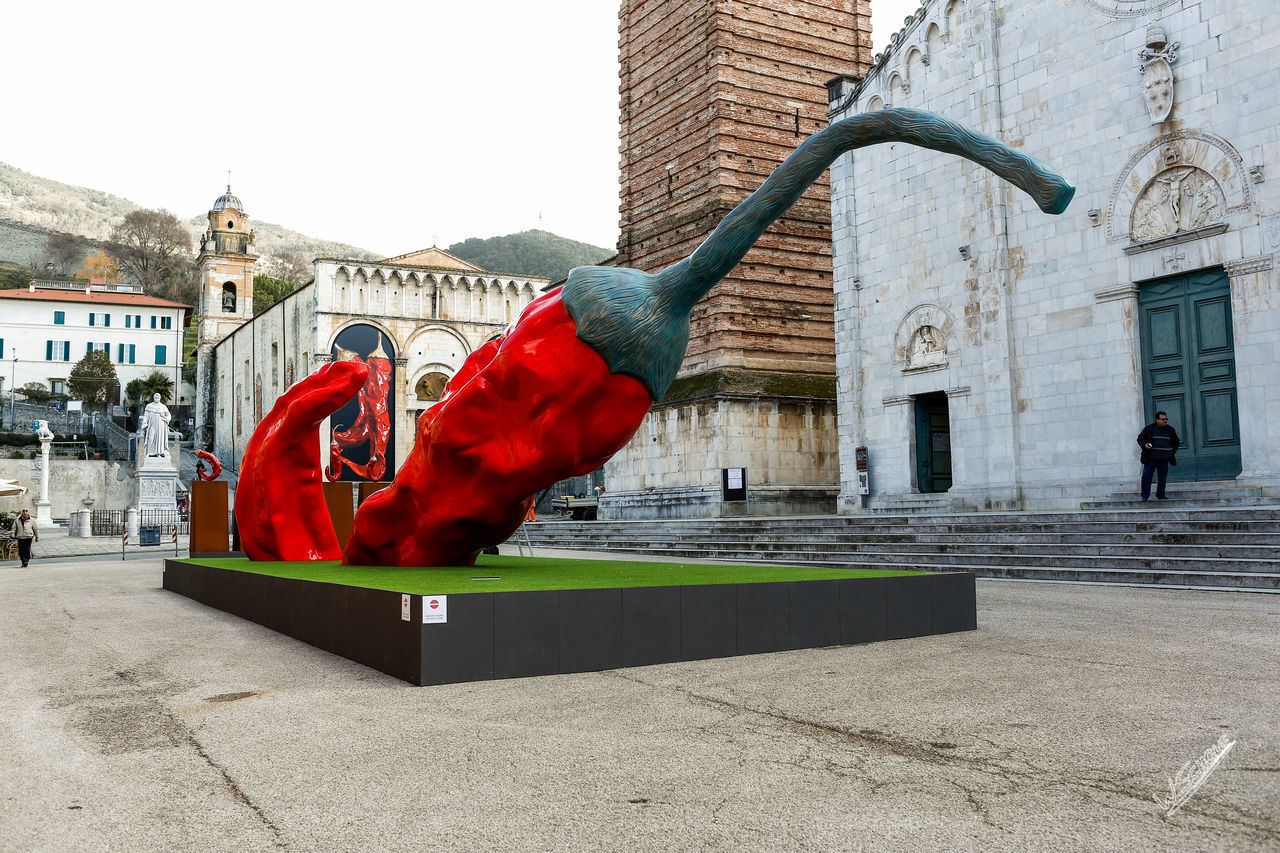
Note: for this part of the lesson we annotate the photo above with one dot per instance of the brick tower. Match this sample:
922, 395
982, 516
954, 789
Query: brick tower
714, 95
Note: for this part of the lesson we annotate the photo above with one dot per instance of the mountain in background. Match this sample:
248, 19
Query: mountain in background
32, 207
529, 253
47, 204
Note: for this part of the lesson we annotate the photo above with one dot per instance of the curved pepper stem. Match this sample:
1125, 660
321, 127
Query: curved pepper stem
639, 322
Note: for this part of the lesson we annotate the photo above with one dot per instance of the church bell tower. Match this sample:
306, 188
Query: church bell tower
225, 263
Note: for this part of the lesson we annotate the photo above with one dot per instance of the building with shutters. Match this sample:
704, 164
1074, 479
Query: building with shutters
46, 327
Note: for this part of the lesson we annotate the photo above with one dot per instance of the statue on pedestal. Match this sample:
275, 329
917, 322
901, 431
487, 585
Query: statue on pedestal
154, 429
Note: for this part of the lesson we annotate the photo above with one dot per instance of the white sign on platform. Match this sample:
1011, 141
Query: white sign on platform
405, 600
435, 608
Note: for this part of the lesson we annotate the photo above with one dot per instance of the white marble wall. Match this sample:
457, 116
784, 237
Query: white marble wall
1042, 367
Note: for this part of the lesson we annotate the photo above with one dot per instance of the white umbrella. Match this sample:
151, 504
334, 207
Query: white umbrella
11, 487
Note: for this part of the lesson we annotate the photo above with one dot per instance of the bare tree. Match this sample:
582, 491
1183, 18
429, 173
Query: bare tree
154, 248
65, 251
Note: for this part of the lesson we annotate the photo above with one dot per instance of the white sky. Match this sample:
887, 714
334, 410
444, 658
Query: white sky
390, 126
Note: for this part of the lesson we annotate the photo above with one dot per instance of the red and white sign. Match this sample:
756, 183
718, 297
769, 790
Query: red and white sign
435, 608
405, 600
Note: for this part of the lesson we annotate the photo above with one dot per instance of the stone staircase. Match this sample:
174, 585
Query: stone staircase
1189, 495
1158, 544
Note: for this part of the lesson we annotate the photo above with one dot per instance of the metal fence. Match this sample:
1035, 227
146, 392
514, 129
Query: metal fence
111, 522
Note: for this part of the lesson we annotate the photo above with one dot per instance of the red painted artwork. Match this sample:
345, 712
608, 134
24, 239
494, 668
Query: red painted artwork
371, 430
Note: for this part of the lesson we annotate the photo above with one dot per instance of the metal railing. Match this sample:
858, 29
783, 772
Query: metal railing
111, 522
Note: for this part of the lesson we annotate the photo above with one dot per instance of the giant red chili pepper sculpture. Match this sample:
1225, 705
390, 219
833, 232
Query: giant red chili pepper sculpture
569, 383
280, 508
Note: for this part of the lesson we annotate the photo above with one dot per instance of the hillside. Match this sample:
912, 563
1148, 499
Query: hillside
31, 207
530, 253
32, 200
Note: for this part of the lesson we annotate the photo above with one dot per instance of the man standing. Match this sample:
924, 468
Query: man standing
24, 530
1159, 443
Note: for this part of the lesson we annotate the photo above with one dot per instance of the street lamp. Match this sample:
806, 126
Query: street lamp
13, 388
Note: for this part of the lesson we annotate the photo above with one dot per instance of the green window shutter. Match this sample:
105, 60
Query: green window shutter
88, 347
132, 353
48, 350
66, 350
59, 318
106, 320
160, 354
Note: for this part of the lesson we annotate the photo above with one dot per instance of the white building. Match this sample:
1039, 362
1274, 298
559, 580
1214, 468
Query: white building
45, 329
1009, 358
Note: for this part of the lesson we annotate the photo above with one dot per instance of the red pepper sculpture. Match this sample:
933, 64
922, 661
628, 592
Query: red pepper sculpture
280, 508
569, 383
215, 467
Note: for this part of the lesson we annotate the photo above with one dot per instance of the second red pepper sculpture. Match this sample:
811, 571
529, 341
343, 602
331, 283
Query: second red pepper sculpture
568, 384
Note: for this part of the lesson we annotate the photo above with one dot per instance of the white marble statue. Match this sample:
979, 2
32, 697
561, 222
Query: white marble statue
154, 430
43, 432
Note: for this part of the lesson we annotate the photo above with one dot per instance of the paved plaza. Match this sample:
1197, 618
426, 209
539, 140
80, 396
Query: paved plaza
134, 719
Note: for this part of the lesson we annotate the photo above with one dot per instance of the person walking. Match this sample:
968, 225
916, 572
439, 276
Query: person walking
1159, 443
25, 531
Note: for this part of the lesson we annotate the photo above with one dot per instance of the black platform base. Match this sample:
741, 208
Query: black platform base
513, 634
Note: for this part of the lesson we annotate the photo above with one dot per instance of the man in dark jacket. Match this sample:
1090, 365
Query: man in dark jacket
1159, 443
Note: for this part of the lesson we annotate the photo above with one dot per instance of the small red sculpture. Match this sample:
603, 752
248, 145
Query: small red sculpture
214, 469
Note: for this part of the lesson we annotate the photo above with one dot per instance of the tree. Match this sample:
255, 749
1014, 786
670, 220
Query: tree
154, 383
100, 265
36, 392
93, 379
268, 291
155, 249
65, 250
291, 267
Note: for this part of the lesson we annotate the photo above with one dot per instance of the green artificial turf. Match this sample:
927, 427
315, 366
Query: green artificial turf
532, 573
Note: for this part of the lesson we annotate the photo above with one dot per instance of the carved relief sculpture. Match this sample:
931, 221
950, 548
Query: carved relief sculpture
1157, 60
560, 391
1179, 199
927, 348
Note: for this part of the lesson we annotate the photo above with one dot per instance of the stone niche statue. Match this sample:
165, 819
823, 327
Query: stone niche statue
154, 431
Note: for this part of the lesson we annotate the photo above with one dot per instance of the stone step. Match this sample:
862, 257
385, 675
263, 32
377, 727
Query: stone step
1209, 548
1207, 551
1166, 575
1091, 527
786, 554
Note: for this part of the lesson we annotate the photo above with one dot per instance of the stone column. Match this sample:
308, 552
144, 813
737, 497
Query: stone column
44, 513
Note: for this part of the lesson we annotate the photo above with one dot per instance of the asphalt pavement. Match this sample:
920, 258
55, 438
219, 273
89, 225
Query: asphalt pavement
132, 718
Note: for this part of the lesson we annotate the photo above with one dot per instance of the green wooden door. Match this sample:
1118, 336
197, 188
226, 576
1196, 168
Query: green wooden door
933, 443
1189, 370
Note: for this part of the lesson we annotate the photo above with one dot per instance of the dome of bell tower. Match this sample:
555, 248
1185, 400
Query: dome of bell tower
227, 201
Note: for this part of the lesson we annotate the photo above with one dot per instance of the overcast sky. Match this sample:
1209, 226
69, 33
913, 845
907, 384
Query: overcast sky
389, 126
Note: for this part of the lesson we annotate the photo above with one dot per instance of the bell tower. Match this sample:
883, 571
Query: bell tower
225, 263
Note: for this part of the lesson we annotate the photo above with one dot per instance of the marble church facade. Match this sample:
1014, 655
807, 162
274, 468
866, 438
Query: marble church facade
993, 354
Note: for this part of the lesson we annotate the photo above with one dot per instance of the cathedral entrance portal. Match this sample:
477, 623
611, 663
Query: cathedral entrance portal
933, 443
1188, 370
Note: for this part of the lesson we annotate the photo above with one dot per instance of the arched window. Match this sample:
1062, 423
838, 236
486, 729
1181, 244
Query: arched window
229, 297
